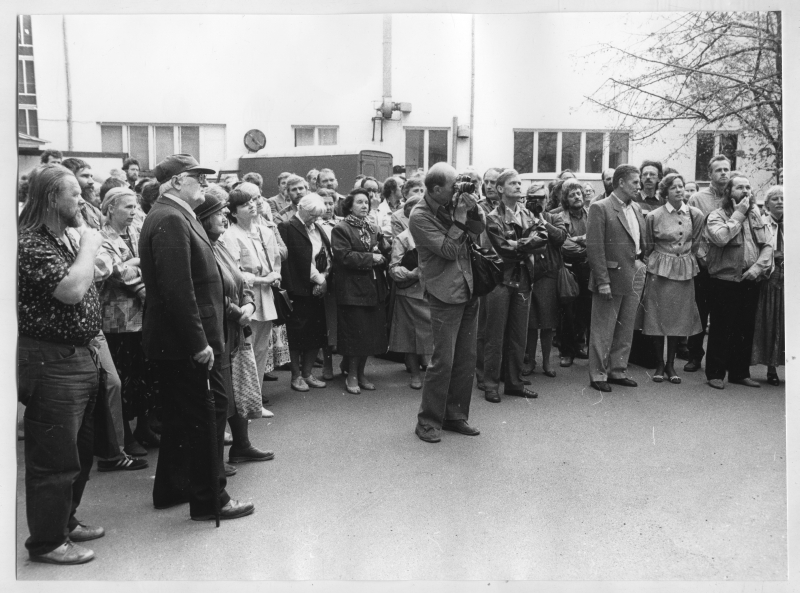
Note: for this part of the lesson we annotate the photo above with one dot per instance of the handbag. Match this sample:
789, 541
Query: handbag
567, 287
245, 379
282, 302
487, 269
410, 261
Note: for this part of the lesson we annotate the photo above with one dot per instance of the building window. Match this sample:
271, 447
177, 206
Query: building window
24, 36
316, 135
152, 143
28, 121
425, 147
549, 152
710, 144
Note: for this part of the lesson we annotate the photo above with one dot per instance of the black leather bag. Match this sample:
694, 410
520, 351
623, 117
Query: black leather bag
487, 269
410, 262
283, 306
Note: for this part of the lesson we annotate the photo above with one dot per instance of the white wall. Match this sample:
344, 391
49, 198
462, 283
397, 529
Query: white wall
272, 72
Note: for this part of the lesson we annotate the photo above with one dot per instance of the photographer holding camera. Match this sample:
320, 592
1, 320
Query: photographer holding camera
440, 225
507, 306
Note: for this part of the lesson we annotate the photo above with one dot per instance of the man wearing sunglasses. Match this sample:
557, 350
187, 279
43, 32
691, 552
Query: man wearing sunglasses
182, 334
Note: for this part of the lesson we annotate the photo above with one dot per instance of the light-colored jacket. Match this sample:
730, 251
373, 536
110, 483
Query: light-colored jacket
727, 236
250, 254
120, 285
402, 243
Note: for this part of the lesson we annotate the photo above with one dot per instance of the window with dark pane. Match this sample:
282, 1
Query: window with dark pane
304, 136
22, 121
415, 150
190, 141
705, 150
618, 149
33, 122
523, 152
21, 77
111, 138
30, 79
728, 143
27, 35
437, 147
571, 151
594, 152
138, 145
328, 136
165, 142
546, 163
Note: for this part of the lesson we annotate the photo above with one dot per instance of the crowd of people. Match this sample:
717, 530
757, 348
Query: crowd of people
153, 310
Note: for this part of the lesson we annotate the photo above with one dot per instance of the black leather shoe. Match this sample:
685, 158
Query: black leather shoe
233, 510
692, 366
270, 377
461, 427
625, 382
583, 354
566, 361
249, 454
600, 386
492, 397
526, 393
773, 380
428, 438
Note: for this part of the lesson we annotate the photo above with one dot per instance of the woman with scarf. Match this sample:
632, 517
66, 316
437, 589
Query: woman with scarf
769, 340
122, 296
359, 255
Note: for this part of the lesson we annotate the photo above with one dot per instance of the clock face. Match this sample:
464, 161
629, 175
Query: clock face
254, 140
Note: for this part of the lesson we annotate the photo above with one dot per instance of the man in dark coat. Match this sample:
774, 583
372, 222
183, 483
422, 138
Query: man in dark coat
182, 334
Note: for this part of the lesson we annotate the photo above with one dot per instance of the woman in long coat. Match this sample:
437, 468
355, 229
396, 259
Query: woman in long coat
359, 263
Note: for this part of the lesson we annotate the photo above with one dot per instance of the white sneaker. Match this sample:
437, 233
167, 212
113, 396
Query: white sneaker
265, 413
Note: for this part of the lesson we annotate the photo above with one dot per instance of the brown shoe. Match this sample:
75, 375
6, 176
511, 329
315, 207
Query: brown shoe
66, 553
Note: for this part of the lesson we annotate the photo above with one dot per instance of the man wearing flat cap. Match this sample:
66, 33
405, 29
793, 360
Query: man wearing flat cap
182, 333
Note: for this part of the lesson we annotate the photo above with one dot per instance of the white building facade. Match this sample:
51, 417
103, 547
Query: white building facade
150, 86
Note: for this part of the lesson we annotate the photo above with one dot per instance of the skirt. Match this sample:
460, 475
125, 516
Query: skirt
544, 304
769, 339
362, 330
306, 326
411, 326
138, 391
668, 307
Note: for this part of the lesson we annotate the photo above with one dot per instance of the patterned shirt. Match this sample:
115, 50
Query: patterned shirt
44, 261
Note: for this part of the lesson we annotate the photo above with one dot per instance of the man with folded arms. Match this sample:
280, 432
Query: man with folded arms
182, 334
615, 244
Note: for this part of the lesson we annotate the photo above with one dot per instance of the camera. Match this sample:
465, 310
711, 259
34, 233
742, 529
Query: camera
463, 185
535, 206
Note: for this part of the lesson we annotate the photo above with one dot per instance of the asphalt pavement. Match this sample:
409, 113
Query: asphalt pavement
659, 482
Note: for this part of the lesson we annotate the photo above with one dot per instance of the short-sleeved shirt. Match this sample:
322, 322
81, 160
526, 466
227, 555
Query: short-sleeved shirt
43, 263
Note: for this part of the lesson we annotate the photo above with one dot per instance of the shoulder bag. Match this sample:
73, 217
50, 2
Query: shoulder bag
487, 268
245, 379
280, 298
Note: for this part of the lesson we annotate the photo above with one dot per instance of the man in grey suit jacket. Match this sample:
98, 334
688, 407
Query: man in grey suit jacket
439, 225
615, 245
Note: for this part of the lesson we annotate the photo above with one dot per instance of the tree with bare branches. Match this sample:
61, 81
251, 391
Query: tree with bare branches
707, 70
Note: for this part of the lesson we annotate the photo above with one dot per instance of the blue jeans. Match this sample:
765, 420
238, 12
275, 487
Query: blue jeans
57, 384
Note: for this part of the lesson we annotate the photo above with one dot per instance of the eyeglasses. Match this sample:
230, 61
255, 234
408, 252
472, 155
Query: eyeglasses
201, 178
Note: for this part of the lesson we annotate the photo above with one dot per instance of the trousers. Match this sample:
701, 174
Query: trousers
702, 296
190, 465
732, 319
57, 384
447, 391
576, 316
506, 334
611, 331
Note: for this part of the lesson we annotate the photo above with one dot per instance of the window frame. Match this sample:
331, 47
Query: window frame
701, 173
426, 143
177, 137
559, 147
316, 129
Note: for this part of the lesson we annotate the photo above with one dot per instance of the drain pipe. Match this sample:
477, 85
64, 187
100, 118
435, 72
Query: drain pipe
472, 96
387, 62
69, 88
